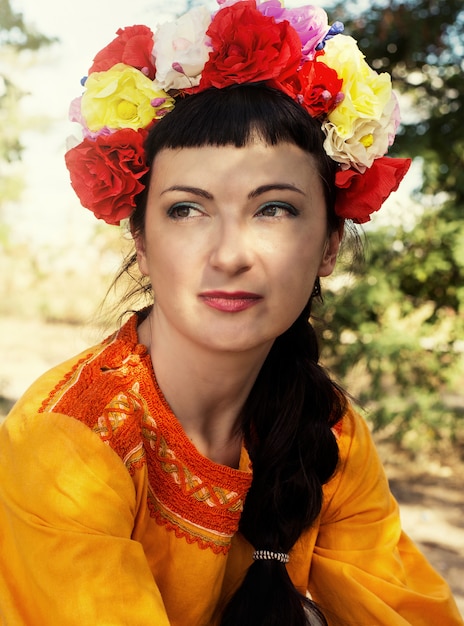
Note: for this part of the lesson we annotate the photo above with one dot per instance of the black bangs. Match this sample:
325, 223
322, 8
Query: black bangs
232, 116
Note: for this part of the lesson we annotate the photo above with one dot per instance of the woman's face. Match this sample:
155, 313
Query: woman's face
234, 240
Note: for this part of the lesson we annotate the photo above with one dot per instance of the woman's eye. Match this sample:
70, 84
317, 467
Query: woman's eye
183, 210
277, 209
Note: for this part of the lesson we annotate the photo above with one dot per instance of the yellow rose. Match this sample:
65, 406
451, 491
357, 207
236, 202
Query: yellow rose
122, 97
366, 93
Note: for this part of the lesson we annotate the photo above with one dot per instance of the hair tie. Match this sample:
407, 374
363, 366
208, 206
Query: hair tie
270, 555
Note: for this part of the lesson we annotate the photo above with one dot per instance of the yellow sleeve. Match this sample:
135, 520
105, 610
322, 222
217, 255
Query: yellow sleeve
365, 571
67, 507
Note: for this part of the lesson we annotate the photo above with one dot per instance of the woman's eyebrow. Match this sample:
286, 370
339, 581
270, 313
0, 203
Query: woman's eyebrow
253, 194
274, 187
197, 191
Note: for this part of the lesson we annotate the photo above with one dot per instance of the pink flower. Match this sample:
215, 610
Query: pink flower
311, 23
75, 114
395, 120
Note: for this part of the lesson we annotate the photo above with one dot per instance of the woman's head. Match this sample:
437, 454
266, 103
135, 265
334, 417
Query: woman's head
234, 239
235, 116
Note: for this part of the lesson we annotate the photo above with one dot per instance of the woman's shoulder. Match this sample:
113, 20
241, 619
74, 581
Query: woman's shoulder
85, 385
352, 424
358, 457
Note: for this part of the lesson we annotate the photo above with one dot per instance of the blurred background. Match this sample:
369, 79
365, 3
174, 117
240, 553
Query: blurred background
391, 326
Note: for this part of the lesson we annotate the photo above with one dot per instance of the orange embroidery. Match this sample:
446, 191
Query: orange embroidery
188, 494
47, 404
182, 530
119, 427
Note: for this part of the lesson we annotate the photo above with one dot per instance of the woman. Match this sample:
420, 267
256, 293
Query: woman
198, 466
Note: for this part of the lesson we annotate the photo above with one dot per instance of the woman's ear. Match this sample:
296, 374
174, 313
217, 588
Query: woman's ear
139, 242
329, 256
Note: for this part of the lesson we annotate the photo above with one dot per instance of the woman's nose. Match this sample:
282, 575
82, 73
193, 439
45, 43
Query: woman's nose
231, 248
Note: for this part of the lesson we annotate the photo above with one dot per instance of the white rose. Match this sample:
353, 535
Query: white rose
181, 50
369, 139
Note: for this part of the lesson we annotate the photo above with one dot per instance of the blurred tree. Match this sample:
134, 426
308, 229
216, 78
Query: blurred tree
16, 33
15, 38
421, 44
398, 332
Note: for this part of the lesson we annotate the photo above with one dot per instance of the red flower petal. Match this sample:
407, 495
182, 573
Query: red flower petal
320, 87
105, 173
248, 46
132, 46
359, 195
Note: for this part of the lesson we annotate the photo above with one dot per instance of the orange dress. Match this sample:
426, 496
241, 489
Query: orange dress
109, 516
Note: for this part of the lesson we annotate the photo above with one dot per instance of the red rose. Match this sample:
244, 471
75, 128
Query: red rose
359, 195
291, 86
315, 86
105, 173
320, 86
133, 46
249, 47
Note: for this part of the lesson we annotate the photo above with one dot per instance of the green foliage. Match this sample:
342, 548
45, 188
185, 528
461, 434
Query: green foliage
10, 146
396, 334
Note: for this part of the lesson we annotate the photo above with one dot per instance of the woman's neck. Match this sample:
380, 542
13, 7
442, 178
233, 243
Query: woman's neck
206, 390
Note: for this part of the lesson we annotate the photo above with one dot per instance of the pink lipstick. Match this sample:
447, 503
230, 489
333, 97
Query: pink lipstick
230, 301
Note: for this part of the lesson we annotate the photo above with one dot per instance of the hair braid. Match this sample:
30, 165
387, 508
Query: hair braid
287, 430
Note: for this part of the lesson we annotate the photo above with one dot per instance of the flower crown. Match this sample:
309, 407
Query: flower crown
135, 80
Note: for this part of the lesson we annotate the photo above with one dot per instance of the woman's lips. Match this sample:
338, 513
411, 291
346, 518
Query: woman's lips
230, 302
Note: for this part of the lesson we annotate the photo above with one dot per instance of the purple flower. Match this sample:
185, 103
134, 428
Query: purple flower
310, 22
103, 132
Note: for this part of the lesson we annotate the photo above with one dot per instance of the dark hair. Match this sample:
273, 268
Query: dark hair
288, 417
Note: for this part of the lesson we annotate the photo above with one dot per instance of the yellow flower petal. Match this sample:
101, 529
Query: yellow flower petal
122, 98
